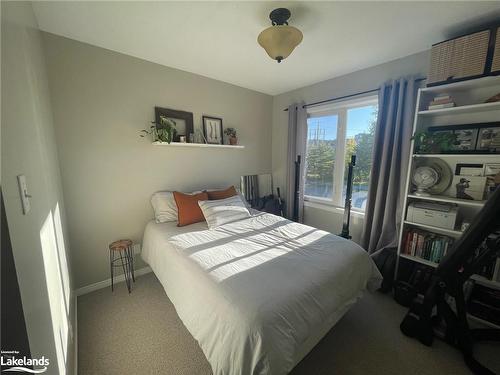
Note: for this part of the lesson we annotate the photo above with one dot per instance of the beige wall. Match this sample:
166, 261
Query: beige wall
359, 81
28, 147
101, 99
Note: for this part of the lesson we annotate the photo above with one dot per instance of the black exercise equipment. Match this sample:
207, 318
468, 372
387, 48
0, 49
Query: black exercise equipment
296, 195
280, 202
348, 200
478, 246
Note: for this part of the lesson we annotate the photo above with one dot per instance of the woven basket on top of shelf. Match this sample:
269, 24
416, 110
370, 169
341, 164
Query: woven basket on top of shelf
495, 64
459, 58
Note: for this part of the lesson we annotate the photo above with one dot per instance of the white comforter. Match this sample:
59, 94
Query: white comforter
254, 293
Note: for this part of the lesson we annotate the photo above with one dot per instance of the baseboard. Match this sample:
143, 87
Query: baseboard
107, 283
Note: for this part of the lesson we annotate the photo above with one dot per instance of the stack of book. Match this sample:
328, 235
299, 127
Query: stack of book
441, 101
426, 245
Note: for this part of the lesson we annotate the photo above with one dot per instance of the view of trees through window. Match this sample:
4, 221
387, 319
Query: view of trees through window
322, 158
361, 145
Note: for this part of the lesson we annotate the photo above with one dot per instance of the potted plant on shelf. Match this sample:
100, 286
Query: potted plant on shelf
231, 134
164, 131
434, 143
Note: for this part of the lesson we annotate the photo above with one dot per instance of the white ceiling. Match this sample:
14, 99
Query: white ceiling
219, 39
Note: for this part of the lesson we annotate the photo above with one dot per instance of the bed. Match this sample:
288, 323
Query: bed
258, 293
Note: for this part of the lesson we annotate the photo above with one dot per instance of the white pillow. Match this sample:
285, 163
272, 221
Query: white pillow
247, 205
164, 205
223, 211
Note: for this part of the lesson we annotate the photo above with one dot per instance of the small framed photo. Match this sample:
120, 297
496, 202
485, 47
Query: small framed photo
489, 139
468, 187
466, 139
212, 130
463, 169
492, 173
492, 169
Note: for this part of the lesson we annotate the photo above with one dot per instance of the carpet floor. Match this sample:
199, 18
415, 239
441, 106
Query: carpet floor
141, 333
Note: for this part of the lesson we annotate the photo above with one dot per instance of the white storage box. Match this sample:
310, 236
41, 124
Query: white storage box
434, 214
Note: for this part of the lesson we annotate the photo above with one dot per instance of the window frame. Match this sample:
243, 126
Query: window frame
339, 109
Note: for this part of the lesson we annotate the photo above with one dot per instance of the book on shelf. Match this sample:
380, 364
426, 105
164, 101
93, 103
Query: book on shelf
441, 106
441, 101
426, 245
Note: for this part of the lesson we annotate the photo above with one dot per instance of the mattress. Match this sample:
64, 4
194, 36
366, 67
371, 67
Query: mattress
257, 294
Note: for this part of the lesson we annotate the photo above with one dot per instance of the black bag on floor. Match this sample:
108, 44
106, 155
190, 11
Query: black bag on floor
386, 263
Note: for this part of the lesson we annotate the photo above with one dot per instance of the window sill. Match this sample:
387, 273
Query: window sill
327, 206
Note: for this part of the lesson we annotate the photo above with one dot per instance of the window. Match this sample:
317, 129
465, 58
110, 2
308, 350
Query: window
335, 132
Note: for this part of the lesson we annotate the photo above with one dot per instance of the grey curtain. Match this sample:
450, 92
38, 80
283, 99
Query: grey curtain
250, 188
391, 147
297, 141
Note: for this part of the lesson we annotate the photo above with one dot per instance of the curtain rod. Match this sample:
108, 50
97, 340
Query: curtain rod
347, 96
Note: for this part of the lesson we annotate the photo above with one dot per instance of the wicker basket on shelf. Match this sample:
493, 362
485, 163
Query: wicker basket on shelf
459, 58
495, 64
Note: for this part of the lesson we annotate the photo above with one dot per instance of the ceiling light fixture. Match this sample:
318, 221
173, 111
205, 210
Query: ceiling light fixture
279, 40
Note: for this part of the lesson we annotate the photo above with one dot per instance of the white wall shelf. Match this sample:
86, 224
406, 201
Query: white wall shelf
199, 145
445, 199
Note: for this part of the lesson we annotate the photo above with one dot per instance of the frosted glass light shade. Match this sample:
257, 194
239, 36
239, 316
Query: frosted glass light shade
279, 41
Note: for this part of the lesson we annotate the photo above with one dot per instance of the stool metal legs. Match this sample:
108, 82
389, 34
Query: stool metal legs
124, 260
131, 257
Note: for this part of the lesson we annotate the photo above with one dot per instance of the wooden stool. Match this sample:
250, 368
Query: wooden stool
121, 252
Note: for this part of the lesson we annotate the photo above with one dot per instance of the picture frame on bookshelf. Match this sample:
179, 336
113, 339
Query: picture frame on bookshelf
491, 169
477, 138
492, 174
466, 139
489, 139
468, 187
467, 169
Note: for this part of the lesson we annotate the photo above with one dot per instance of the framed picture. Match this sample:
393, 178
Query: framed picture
466, 139
212, 130
465, 135
183, 121
492, 173
489, 139
468, 187
492, 169
463, 169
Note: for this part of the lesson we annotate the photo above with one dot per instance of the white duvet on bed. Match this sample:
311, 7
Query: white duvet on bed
259, 293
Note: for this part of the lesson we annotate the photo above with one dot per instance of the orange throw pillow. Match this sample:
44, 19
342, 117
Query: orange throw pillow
222, 194
187, 206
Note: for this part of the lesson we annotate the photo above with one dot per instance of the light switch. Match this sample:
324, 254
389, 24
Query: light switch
23, 192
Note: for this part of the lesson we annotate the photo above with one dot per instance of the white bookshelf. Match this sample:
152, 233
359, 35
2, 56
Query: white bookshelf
470, 108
